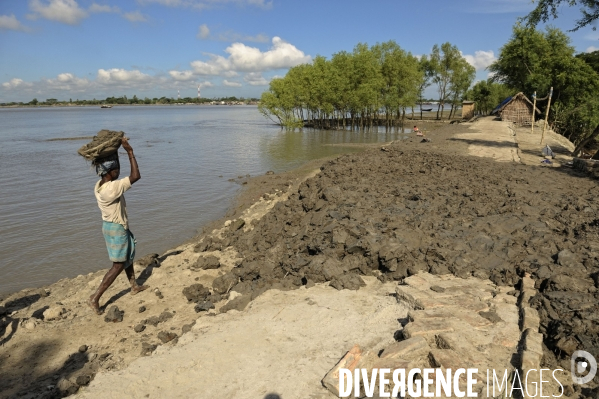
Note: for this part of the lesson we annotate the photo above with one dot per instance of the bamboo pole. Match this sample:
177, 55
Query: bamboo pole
534, 108
546, 115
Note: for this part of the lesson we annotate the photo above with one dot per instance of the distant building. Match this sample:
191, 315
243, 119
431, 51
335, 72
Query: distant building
51, 100
517, 109
468, 109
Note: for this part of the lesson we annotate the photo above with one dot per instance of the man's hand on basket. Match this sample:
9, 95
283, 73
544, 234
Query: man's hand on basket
126, 145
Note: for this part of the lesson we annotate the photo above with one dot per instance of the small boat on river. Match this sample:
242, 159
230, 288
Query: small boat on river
106, 106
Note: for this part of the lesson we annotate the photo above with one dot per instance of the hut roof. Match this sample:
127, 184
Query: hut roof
508, 100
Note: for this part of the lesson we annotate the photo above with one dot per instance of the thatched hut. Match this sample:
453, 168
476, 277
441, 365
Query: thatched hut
517, 109
467, 109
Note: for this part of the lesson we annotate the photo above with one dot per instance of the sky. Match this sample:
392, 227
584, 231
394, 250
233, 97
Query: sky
85, 49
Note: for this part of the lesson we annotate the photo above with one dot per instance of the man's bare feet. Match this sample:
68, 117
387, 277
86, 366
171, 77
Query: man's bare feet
94, 305
138, 289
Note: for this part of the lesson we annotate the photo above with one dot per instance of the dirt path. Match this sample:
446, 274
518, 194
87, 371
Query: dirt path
283, 343
491, 139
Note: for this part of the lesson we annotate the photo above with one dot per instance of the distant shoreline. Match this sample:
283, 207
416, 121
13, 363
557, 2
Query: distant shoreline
116, 105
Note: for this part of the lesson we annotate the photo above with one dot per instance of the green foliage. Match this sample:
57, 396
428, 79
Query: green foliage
488, 94
369, 84
427, 72
536, 61
547, 9
451, 73
592, 59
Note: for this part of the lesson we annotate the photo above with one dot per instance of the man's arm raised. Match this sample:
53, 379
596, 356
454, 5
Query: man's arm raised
134, 176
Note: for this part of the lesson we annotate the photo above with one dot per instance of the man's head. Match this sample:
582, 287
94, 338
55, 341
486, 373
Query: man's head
114, 174
108, 166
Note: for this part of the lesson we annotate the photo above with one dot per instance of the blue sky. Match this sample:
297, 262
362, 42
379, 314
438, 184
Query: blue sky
98, 48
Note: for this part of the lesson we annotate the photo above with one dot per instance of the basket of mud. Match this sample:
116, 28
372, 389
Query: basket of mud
104, 144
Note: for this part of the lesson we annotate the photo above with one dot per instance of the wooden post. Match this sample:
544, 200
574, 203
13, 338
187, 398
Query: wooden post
534, 109
546, 115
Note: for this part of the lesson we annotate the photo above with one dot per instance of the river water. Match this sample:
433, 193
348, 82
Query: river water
49, 219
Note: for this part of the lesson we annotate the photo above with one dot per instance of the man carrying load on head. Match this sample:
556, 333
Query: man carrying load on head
120, 242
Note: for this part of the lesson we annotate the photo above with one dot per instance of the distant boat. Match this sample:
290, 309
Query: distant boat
106, 106
426, 109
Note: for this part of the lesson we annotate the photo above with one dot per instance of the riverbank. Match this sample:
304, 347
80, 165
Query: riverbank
460, 204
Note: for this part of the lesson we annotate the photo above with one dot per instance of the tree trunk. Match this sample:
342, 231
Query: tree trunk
586, 141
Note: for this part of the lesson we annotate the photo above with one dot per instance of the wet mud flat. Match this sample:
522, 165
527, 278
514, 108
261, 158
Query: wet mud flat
413, 207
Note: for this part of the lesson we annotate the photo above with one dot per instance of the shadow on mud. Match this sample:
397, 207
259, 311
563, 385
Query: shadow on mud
27, 377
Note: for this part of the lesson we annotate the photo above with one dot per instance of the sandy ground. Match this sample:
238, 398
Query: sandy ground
434, 199
283, 344
491, 139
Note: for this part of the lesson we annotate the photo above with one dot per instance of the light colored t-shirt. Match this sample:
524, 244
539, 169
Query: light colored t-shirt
111, 200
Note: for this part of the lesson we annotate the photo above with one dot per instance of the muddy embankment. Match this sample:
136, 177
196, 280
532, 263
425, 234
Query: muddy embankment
406, 208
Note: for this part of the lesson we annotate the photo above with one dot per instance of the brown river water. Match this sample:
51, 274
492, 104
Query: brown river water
50, 222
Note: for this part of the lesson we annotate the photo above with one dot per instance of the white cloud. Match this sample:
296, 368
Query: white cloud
10, 22
64, 11
481, 59
215, 66
591, 49
251, 59
203, 32
15, 83
107, 82
243, 58
255, 79
67, 81
135, 16
183, 76
231, 84
122, 77
103, 8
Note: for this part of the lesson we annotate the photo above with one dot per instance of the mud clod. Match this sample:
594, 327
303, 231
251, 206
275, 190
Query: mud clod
203, 306
206, 263
83, 380
147, 349
114, 315
165, 336
238, 303
196, 293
